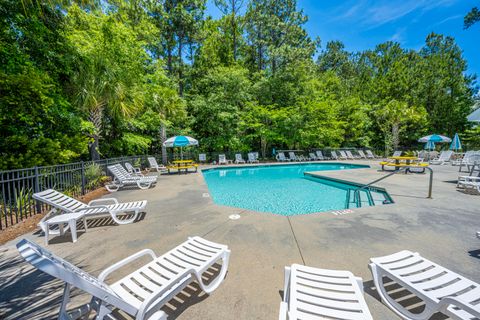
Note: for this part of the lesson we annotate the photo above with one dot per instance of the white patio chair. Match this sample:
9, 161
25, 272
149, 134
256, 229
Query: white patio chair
239, 158
252, 158
469, 182
343, 155
350, 155
202, 157
141, 293
440, 289
320, 155
155, 166
132, 170
397, 154
463, 159
334, 155
292, 156
370, 154
281, 157
362, 154
222, 159
62, 204
123, 178
311, 293
444, 158
312, 156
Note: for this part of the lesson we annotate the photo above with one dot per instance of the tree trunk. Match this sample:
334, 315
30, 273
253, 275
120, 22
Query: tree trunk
395, 136
163, 137
180, 67
263, 144
93, 148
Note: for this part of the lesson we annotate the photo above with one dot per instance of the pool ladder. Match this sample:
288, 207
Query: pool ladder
354, 198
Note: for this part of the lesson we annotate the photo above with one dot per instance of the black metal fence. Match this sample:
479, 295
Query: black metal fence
74, 179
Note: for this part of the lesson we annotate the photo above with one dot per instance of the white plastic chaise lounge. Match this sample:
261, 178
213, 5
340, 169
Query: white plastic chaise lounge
440, 289
155, 166
362, 154
312, 157
142, 293
397, 154
202, 157
122, 178
370, 154
320, 155
281, 157
132, 170
312, 293
222, 159
239, 158
292, 156
469, 183
444, 158
62, 204
350, 155
464, 159
343, 155
252, 158
334, 155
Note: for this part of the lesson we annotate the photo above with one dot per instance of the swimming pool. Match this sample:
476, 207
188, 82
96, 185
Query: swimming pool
284, 189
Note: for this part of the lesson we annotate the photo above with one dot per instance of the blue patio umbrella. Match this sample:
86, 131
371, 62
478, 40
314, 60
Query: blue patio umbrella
180, 141
456, 144
430, 145
434, 138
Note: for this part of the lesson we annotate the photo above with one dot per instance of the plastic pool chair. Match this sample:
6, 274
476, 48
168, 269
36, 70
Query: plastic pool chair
334, 155
469, 183
239, 158
141, 293
155, 166
343, 155
311, 293
370, 154
320, 155
444, 158
440, 289
252, 158
312, 156
397, 154
281, 157
222, 159
132, 170
292, 156
63, 204
202, 157
123, 178
350, 155
362, 154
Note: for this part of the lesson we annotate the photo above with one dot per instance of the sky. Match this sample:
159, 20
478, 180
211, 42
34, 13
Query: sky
362, 24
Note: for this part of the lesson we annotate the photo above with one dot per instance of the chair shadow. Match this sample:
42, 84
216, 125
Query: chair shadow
401, 295
28, 293
474, 253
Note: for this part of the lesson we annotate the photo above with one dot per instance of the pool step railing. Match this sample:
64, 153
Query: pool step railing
359, 198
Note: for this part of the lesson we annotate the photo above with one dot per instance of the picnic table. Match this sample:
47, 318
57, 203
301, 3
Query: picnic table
403, 161
180, 165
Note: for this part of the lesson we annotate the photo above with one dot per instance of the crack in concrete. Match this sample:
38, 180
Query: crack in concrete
296, 241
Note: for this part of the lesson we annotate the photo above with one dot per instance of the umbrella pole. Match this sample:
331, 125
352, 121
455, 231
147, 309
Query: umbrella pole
181, 153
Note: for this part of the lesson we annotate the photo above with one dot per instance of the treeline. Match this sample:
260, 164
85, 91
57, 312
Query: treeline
89, 79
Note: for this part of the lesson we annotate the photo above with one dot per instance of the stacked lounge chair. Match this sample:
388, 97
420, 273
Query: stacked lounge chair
122, 178
252, 158
239, 158
155, 166
444, 158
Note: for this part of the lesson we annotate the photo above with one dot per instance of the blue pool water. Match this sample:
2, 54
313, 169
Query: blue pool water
280, 189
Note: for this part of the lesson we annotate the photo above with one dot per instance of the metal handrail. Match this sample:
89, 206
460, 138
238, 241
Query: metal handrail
430, 185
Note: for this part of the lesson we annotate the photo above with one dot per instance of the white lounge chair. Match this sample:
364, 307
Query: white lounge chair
222, 159
141, 293
370, 154
202, 157
350, 155
239, 158
462, 160
397, 154
343, 155
132, 170
292, 156
334, 155
469, 161
123, 178
444, 158
469, 183
311, 293
252, 158
155, 166
362, 154
312, 156
320, 155
281, 157
440, 289
62, 204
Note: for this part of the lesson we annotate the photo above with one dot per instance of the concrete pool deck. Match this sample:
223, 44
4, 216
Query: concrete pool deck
442, 229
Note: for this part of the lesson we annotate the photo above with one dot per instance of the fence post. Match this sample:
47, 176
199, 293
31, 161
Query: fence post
83, 178
38, 207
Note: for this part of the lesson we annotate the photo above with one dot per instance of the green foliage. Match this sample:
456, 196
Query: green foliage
93, 175
471, 18
80, 79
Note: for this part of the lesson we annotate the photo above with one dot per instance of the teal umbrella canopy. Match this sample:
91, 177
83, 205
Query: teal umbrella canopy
434, 138
180, 141
456, 143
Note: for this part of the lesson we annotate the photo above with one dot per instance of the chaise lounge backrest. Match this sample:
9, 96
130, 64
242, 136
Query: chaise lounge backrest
59, 200
119, 172
153, 162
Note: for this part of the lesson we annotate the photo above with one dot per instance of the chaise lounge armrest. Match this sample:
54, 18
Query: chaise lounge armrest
125, 261
103, 200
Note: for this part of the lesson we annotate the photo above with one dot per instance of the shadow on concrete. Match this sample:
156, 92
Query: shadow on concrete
401, 295
474, 253
27, 293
